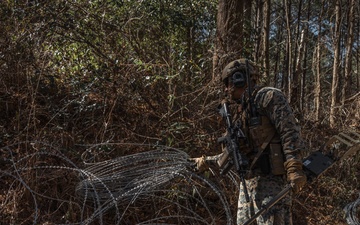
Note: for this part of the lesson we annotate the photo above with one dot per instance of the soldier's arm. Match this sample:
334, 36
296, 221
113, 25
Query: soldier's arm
274, 104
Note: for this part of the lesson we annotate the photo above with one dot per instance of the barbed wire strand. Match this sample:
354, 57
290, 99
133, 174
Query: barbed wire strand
352, 210
162, 177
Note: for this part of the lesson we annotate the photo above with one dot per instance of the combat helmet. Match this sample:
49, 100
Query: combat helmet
238, 67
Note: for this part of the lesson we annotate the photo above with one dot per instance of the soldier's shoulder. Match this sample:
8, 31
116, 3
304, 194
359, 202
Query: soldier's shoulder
268, 94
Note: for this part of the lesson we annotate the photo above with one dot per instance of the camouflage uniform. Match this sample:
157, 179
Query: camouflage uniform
272, 145
263, 185
261, 189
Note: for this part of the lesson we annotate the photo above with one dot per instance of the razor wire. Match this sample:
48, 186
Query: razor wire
352, 211
160, 181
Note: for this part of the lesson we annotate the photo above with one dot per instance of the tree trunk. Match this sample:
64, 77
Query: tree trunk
358, 69
298, 71
265, 36
288, 55
335, 78
278, 81
303, 75
317, 68
229, 34
304, 59
296, 64
317, 78
258, 25
348, 55
248, 43
358, 56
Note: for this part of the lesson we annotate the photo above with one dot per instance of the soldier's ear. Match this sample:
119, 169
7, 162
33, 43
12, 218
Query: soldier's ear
239, 79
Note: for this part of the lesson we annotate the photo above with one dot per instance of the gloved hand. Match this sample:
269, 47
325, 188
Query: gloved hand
295, 174
200, 163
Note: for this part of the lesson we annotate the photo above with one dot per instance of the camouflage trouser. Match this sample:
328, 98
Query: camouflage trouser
261, 190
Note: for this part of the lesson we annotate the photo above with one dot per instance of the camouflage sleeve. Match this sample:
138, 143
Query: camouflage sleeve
272, 103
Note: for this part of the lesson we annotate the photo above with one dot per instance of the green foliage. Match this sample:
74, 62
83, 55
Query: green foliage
111, 54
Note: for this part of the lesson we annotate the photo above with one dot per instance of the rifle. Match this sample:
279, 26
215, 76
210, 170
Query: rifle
232, 156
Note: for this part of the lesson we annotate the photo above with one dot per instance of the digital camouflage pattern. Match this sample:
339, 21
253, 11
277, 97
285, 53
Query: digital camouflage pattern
272, 103
261, 190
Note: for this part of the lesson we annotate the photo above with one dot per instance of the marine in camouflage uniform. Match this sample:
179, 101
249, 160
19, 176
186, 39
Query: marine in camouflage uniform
273, 146
263, 185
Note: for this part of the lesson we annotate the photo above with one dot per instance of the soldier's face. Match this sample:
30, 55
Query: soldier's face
235, 93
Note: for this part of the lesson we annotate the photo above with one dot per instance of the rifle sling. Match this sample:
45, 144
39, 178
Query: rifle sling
261, 149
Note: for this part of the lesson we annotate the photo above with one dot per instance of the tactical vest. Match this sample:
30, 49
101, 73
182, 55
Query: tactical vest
263, 147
